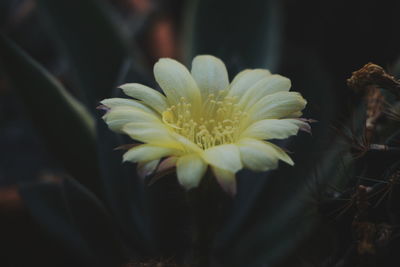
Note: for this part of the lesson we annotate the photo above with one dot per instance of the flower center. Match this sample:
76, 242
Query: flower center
217, 123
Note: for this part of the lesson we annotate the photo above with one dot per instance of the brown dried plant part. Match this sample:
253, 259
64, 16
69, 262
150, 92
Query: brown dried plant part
370, 236
359, 201
365, 235
368, 80
375, 106
372, 75
362, 203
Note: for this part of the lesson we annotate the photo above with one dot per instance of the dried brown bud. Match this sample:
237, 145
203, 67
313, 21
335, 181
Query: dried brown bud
372, 75
369, 80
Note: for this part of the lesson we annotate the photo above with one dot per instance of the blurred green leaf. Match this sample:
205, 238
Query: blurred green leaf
88, 33
242, 34
124, 192
66, 126
76, 220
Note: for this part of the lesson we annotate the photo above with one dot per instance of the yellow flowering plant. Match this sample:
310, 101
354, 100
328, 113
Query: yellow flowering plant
205, 120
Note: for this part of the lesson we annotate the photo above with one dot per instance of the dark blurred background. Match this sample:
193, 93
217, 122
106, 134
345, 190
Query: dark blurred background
318, 44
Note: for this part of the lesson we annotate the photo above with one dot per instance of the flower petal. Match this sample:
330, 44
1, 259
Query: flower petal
225, 157
257, 156
245, 80
273, 129
266, 86
151, 133
210, 75
176, 82
277, 106
117, 117
296, 114
149, 96
261, 156
167, 164
148, 152
304, 124
146, 168
123, 102
226, 180
281, 154
190, 169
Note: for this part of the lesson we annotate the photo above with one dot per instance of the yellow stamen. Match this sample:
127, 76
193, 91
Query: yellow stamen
217, 123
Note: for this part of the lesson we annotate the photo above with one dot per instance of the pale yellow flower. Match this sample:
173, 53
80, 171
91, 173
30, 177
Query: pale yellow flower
203, 120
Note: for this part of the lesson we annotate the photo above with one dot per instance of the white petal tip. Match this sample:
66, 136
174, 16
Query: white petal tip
226, 180
126, 86
189, 187
291, 163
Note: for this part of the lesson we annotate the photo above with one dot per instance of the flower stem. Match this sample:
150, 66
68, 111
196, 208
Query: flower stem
209, 204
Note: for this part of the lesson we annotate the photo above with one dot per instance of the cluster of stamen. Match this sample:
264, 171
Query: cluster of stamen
217, 122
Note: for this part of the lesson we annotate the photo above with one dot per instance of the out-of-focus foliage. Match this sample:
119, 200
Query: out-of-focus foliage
55, 112
63, 208
91, 40
232, 38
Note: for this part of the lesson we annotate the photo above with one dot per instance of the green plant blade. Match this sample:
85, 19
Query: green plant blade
251, 42
124, 192
75, 220
65, 125
87, 33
